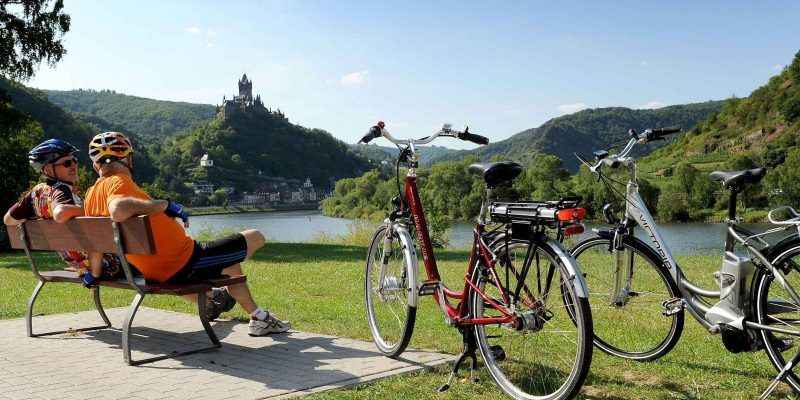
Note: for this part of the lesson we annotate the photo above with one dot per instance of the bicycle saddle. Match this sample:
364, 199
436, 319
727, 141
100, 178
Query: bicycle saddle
497, 172
732, 179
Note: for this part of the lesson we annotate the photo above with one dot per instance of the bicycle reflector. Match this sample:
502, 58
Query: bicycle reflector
576, 229
571, 214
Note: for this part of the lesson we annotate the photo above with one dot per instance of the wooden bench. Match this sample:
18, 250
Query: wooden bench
100, 234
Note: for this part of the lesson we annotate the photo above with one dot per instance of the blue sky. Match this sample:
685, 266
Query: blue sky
500, 67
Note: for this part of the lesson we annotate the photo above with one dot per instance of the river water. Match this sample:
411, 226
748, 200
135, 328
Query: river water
304, 226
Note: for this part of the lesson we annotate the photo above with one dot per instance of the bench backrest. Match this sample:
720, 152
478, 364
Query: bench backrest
90, 234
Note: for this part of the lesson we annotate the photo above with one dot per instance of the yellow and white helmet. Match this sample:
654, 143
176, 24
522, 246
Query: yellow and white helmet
109, 146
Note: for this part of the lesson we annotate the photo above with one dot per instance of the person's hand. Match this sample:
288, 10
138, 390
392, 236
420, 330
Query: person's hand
89, 281
175, 210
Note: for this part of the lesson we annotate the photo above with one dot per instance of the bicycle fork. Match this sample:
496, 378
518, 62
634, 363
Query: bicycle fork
622, 272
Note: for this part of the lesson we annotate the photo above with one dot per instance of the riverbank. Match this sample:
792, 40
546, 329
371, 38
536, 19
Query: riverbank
319, 287
235, 209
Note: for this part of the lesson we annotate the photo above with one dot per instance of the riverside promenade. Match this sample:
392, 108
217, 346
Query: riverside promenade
89, 365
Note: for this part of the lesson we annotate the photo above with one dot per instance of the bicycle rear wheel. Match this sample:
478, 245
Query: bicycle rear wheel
637, 329
391, 317
776, 308
548, 355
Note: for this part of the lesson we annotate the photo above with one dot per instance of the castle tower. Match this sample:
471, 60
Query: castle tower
245, 89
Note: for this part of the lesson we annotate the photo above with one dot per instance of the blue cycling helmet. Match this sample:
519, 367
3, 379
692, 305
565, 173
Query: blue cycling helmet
48, 152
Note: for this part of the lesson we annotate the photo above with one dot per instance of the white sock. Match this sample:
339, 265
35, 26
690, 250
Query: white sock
259, 314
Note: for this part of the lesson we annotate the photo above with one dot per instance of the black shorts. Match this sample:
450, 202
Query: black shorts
209, 259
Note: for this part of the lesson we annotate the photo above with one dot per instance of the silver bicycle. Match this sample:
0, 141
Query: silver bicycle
638, 293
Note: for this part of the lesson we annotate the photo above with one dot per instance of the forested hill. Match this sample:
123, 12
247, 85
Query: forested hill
761, 129
589, 130
248, 146
140, 115
59, 123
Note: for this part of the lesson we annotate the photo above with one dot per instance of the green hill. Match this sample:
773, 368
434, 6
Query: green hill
762, 127
252, 145
140, 115
79, 129
588, 130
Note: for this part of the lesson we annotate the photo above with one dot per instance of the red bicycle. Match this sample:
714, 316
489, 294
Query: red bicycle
524, 302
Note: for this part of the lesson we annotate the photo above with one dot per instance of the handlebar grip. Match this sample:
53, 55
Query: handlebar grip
667, 130
477, 139
373, 133
610, 162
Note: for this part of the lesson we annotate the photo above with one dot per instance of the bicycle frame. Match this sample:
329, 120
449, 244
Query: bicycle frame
693, 295
454, 316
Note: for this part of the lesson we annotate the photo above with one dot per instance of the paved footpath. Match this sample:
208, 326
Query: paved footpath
90, 365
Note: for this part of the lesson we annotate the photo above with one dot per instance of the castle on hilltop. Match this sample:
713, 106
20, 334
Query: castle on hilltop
244, 100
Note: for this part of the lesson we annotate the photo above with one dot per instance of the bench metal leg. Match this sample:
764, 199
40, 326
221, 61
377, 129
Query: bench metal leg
126, 332
29, 315
99, 305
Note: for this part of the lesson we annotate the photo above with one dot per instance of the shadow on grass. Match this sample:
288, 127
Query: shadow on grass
310, 252
271, 252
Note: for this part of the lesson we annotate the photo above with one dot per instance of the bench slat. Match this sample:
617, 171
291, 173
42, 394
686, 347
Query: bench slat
150, 288
85, 234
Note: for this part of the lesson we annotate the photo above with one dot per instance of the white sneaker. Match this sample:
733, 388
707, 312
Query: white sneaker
268, 325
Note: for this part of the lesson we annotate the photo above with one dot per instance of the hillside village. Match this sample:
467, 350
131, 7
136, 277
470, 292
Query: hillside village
271, 191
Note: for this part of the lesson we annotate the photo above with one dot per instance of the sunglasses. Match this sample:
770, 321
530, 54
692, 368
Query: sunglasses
68, 163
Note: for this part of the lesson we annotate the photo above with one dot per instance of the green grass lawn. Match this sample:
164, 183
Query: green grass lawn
319, 287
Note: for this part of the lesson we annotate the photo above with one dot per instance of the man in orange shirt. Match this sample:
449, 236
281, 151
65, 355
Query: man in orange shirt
178, 256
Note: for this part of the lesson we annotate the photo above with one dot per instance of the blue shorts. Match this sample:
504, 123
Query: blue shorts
209, 259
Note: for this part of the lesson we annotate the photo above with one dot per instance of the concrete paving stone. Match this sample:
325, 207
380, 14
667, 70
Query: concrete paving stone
244, 368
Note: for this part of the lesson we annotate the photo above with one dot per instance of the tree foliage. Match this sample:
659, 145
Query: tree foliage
32, 32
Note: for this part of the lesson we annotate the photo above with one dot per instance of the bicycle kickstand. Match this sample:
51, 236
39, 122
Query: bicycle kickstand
470, 346
785, 371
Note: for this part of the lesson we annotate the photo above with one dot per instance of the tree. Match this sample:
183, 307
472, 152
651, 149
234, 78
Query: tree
31, 33
218, 198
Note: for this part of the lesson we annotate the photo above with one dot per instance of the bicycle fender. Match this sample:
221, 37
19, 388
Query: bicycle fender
576, 276
410, 259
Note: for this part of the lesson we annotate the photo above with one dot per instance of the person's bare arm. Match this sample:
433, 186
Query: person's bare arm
65, 212
9, 220
123, 208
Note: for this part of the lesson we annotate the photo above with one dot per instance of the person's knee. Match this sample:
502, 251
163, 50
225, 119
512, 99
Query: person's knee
254, 238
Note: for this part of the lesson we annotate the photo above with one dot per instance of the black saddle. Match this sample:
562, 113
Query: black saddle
736, 179
497, 172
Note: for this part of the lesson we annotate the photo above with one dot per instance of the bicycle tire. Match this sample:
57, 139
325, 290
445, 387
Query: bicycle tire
391, 318
637, 330
530, 365
773, 306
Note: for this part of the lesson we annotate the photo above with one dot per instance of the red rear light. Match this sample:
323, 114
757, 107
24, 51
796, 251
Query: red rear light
381, 124
576, 229
571, 214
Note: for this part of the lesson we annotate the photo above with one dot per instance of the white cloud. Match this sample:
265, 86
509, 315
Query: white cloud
571, 108
212, 32
208, 45
646, 63
779, 67
655, 104
193, 30
355, 78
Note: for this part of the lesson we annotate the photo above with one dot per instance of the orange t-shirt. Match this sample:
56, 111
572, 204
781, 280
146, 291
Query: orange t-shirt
173, 245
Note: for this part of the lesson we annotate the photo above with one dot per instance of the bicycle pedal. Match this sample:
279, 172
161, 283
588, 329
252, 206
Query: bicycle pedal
427, 288
672, 306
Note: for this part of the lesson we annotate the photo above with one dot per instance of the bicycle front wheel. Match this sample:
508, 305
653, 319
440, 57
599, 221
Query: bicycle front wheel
775, 307
548, 355
636, 327
391, 317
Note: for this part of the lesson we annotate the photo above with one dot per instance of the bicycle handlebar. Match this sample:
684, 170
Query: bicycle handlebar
644, 137
477, 139
379, 130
